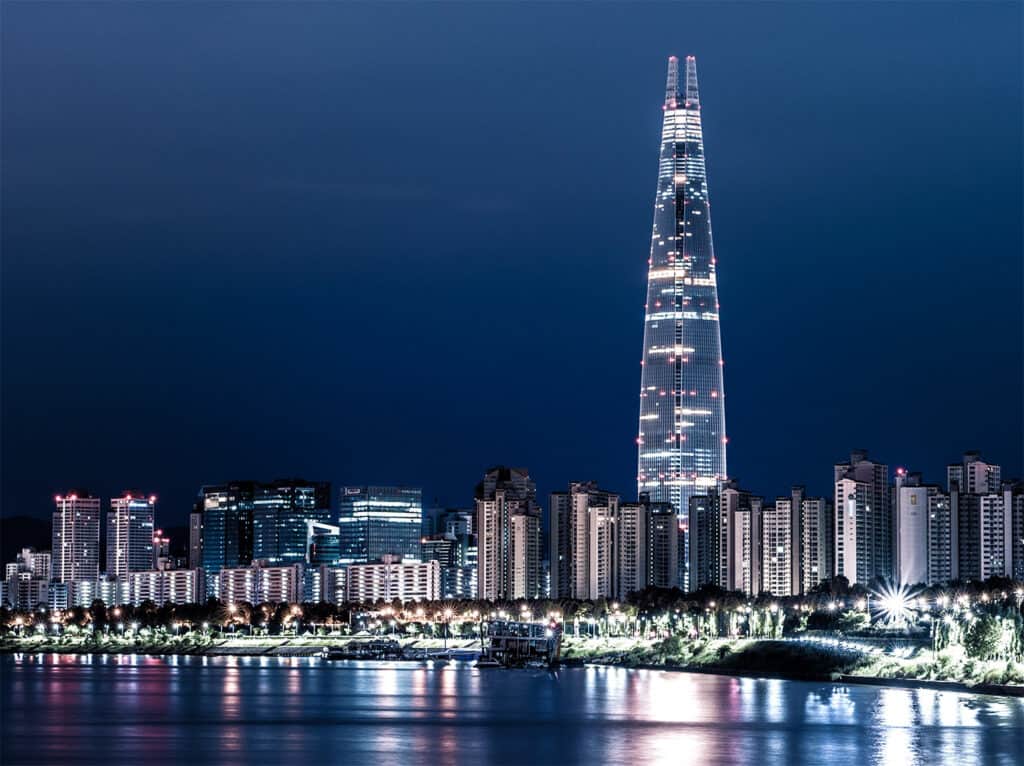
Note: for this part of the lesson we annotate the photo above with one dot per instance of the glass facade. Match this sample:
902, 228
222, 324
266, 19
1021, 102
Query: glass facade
245, 521
380, 521
681, 439
281, 512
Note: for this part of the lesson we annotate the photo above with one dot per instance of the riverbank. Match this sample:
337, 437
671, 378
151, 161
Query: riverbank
805, 660
801, 660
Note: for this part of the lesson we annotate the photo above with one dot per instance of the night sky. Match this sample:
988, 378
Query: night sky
399, 243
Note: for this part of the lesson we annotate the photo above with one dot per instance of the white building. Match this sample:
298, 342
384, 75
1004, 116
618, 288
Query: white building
633, 543
817, 529
258, 584
27, 580
777, 548
76, 545
177, 586
389, 580
741, 539
910, 546
509, 535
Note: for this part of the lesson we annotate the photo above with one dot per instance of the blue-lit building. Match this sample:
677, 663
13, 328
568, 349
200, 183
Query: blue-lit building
246, 521
380, 521
281, 513
323, 541
681, 439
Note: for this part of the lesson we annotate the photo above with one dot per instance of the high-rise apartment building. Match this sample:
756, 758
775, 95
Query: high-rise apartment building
982, 507
863, 517
130, 532
817, 548
705, 541
75, 560
392, 579
911, 511
942, 560
583, 542
777, 547
633, 541
681, 439
27, 579
380, 521
508, 535
663, 553
741, 539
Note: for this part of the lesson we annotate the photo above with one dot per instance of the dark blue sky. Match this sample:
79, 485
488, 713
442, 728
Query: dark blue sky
402, 242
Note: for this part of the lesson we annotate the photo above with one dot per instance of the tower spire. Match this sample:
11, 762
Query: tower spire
692, 94
672, 84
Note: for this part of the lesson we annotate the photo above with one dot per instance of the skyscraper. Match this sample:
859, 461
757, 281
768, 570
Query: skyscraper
75, 558
281, 513
583, 561
681, 439
246, 521
380, 521
130, 534
508, 535
863, 518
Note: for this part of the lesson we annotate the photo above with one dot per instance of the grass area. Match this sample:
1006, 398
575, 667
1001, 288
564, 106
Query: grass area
794, 659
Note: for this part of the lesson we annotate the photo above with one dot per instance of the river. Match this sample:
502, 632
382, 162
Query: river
145, 711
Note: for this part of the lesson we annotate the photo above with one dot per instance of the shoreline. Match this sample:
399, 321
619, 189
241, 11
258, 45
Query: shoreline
283, 651
998, 690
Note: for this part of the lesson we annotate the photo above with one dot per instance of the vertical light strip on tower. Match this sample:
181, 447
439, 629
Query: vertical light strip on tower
681, 440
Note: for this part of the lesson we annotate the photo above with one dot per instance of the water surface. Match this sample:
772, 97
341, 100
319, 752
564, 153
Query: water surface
147, 711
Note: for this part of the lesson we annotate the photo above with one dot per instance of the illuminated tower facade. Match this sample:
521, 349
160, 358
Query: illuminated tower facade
681, 437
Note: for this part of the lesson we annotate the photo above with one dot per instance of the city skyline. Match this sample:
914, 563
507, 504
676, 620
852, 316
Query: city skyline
849, 259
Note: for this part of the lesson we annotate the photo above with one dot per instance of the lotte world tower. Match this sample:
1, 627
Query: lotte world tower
681, 440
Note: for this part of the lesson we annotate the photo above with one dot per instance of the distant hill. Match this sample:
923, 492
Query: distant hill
19, 532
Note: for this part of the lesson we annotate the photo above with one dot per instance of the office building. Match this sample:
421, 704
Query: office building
380, 521
281, 511
246, 521
681, 438
323, 542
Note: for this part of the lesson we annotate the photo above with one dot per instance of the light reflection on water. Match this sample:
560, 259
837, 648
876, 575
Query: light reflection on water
244, 710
